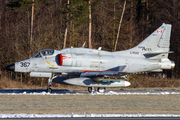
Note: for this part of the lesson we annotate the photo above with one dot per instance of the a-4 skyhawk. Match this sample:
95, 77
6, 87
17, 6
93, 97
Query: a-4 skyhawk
98, 69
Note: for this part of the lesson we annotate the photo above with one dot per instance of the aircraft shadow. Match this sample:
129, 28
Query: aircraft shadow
37, 91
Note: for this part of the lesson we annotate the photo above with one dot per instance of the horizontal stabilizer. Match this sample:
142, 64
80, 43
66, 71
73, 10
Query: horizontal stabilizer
148, 55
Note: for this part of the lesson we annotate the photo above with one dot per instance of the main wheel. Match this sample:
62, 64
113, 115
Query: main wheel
48, 90
101, 90
91, 89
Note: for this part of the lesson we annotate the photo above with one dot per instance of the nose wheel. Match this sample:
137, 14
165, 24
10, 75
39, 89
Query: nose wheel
48, 90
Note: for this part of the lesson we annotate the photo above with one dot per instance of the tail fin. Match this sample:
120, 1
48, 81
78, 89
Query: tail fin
156, 45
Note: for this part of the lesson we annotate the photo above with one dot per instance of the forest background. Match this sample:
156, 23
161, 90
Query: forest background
52, 19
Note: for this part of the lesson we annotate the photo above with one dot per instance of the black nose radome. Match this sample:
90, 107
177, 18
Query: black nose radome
10, 67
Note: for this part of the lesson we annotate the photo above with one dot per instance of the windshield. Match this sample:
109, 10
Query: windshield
37, 55
45, 52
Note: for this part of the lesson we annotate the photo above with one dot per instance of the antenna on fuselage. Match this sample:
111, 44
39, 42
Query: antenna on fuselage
83, 44
99, 48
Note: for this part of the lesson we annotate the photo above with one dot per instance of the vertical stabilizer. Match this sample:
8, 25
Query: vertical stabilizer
165, 37
155, 46
158, 41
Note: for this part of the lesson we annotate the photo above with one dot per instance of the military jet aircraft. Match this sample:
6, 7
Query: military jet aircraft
98, 69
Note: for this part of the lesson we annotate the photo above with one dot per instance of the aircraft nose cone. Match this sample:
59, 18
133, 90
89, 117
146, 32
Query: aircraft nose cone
10, 67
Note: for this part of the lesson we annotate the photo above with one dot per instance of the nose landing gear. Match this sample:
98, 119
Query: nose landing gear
49, 90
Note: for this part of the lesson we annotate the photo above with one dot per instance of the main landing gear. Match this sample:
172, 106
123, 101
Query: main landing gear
99, 89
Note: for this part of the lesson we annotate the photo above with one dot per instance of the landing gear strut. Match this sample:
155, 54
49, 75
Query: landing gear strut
49, 90
99, 89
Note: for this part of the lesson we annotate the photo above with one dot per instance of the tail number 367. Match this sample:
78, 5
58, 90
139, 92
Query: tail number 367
24, 64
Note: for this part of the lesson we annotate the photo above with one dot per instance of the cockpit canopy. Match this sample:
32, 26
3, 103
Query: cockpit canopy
45, 52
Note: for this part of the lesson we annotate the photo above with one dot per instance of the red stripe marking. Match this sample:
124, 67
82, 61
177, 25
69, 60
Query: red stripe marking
61, 60
100, 71
85, 71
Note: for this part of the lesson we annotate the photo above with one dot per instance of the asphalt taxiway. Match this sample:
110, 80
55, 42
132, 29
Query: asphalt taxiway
74, 91
109, 118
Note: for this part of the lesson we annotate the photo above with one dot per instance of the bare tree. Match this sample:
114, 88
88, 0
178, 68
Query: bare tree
90, 46
66, 28
31, 29
120, 25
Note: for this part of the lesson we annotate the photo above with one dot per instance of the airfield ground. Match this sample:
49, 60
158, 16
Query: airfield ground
87, 104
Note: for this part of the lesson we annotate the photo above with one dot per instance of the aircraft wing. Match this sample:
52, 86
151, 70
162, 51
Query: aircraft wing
89, 73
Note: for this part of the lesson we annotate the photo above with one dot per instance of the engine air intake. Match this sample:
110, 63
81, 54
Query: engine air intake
64, 59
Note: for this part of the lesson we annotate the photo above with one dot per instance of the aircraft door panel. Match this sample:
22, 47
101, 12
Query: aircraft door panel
78, 63
38, 64
106, 62
42, 64
94, 64
34, 67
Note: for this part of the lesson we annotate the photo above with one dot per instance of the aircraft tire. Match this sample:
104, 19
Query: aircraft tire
91, 89
48, 90
101, 90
